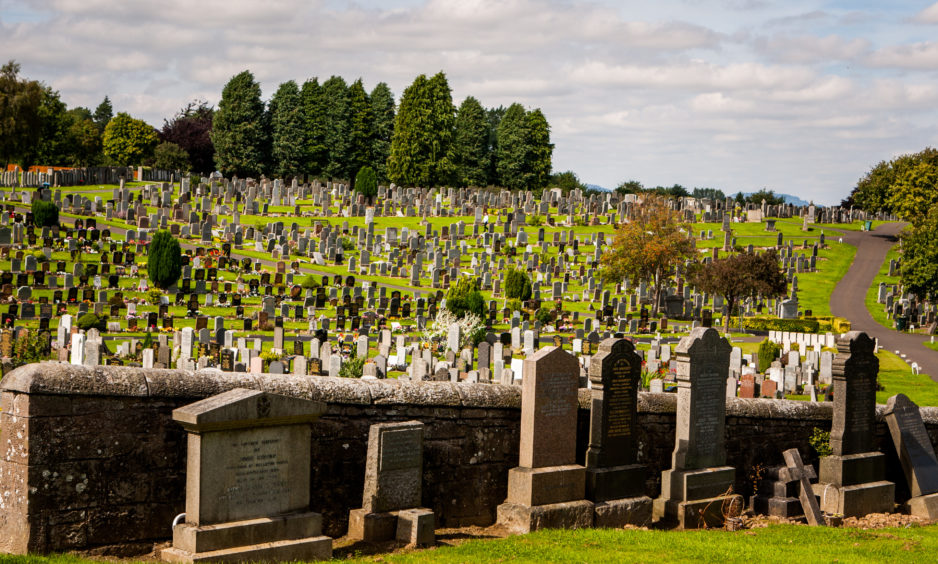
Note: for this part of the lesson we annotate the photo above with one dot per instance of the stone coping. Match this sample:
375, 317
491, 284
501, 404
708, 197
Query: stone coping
60, 378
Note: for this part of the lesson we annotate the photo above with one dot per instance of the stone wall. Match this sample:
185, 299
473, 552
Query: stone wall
91, 457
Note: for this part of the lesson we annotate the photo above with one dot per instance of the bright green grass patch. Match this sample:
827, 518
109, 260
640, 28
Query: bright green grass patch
878, 310
778, 543
815, 288
895, 377
929, 344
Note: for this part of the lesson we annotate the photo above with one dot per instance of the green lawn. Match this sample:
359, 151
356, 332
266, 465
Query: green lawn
815, 288
776, 543
896, 377
878, 310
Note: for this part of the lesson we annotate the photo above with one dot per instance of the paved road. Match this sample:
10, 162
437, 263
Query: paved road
848, 297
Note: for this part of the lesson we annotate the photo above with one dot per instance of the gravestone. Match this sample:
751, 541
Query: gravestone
697, 490
850, 480
393, 484
614, 480
248, 479
547, 488
916, 454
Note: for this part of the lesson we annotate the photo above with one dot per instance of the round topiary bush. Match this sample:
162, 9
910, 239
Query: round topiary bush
45, 214
164, 261
92, 321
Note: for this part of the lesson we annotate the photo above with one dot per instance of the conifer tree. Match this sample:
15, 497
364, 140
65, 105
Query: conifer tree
335, 121
239, 129
288, 128
164, 260
382, 110
316, 153
423, 133
470, 144
360, 129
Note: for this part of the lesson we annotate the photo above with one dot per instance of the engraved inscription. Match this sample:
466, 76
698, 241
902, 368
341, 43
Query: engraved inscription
553, 397
399, 449
618, 399
259, 473
707, 412
857, 421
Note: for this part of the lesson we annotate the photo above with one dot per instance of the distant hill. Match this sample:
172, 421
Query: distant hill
598, 187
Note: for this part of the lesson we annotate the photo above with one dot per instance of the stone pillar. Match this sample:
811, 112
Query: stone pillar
614, 482
547, 488
850, 480
698, 489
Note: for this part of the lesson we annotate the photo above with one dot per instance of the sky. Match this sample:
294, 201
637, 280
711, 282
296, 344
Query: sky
801, 97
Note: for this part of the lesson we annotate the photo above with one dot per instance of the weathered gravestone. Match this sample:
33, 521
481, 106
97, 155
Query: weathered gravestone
614, 482
393, 485
697, 490
916, 454
547, 488
850, 480
247, 480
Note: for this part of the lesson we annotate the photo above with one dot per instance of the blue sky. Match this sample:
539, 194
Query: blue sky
801, 97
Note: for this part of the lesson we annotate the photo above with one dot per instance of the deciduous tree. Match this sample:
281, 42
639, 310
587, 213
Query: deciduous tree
128, 141
739, 276
648, 248
19, 113
170, 156
918, 268
191, 129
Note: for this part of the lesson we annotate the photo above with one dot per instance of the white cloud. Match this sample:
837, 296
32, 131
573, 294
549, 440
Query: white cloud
734, 94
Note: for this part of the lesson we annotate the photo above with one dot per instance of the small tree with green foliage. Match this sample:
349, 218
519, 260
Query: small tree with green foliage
170, 156
768, 352
164, 261
128, 141
353, 367
92, 321
517, 285
464, 296
45, 214
366, 182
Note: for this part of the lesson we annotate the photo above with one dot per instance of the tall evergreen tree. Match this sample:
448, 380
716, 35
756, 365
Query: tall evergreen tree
360, 130
239, 130
540, 149
335, 125
512, 146
470, 144
493, 117
423, 133
287, 129
103, 114
317, 153
382, 109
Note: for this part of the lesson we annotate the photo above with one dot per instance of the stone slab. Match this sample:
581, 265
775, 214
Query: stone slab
371, 527
690, 485
306, 549
857, 500
702, 513
924, 506
852, 469
617, 513
522, 519
208, 538
543, 486
416, 526
618, 482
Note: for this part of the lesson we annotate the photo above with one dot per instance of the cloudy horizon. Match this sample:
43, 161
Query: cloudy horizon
801, 97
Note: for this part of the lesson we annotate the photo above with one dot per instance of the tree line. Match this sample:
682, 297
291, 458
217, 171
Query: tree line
329, 130
334, 129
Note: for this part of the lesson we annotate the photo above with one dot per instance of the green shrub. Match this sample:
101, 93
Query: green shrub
164, 260
170, 156
347, 245
310, 282
45, 214
366, 182
464, 296
40, 256
353, 367
774, 324
535, 220
768, 352
92, 321
153, 296
517, 285
820, 441
514, 305
544, 315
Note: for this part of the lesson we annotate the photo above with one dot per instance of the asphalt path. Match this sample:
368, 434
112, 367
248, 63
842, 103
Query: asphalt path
849, 296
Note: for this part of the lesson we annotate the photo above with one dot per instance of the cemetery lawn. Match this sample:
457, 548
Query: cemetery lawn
878, 310
929, 344
895, 377
776, 543
815, 288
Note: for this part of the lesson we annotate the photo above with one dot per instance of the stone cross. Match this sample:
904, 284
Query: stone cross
812, 511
